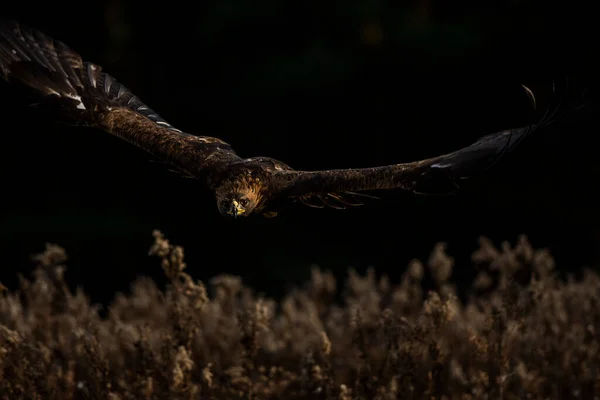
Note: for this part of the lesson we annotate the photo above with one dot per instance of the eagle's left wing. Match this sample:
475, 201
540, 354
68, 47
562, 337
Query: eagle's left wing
433, 175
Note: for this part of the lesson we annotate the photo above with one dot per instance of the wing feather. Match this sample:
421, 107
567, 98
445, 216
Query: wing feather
313, 201
338, 201
79, 92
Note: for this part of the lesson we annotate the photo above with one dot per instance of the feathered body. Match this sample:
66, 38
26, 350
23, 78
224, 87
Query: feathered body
61, 81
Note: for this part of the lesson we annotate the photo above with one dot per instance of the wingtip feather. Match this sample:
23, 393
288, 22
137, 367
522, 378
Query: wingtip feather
531, 96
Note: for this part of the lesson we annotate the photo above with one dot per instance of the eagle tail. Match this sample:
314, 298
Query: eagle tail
58, 79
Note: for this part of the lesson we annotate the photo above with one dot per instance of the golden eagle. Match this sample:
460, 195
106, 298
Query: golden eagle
242, 186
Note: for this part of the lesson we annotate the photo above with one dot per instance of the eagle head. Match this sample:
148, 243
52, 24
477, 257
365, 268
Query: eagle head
239, 197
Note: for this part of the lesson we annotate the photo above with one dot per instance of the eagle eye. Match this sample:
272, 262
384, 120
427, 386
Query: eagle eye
244, 202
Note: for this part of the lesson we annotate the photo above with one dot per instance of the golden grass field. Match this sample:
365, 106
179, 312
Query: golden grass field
521, 332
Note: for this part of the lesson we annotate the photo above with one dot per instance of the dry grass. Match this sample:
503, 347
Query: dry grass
522, 334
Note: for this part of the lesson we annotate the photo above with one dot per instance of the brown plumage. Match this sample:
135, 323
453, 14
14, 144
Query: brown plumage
85, 95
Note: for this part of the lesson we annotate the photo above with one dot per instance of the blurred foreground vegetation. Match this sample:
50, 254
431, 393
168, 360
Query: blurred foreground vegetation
521, 332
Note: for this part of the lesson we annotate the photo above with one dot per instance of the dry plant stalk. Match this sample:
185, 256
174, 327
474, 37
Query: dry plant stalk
522, 334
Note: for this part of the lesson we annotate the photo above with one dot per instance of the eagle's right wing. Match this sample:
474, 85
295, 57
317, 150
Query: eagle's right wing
80, 92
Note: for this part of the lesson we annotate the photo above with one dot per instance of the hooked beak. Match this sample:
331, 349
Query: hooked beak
236, 209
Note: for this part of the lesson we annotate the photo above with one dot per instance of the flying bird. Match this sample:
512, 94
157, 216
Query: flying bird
87, 96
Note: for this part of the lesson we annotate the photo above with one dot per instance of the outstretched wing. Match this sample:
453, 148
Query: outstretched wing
433, 175
80, 93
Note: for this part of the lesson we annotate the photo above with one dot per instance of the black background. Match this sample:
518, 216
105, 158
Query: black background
317, 85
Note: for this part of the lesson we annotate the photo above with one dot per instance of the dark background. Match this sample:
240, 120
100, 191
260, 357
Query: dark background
318, 85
